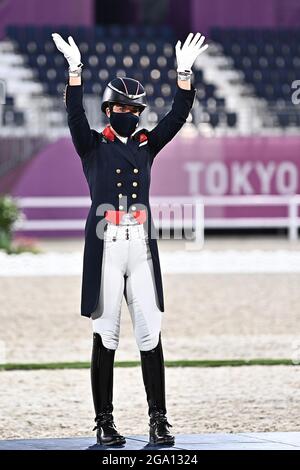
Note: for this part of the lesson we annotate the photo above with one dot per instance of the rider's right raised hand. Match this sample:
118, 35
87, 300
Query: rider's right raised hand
70, 51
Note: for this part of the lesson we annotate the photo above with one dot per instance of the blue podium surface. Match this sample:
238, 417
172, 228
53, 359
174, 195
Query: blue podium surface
219, 441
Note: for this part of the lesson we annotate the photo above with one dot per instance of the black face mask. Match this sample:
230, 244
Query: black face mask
124, 123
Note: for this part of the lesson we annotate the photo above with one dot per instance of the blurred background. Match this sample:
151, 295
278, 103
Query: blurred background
236, 299
244, 123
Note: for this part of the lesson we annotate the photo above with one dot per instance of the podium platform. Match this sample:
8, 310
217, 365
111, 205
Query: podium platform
219, 441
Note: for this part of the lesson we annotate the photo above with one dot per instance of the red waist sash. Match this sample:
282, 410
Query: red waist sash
116, 216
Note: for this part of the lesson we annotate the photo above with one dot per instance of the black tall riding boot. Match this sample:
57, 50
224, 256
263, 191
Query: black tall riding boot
102, 365
154, 380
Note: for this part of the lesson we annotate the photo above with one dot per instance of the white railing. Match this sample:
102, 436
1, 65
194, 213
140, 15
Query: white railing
291, 222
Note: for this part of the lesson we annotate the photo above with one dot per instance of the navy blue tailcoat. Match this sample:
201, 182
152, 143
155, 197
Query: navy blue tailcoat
108, 162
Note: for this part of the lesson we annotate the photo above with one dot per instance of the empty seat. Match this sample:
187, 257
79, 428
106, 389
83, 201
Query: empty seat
145, 53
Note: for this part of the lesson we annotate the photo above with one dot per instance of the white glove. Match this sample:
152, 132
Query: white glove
190, 50
70, 51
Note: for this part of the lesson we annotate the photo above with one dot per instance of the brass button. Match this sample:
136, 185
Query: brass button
133, 208
134, 195
134, 183
119, 184
121, 207
135, 170
120, 195
118, 170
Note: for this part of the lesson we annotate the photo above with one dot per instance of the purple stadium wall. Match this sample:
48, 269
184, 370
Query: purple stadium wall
55, 12
220, 166
195, 15
206, 14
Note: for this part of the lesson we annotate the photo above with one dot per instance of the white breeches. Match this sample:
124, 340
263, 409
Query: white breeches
127, 269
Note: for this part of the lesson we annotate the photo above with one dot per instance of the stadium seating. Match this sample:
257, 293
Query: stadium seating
142, 52
10, 115
270, 62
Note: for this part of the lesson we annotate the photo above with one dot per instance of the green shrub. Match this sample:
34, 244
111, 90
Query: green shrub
9, 213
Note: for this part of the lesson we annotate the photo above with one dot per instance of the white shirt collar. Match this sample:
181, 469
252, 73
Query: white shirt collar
123, 139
